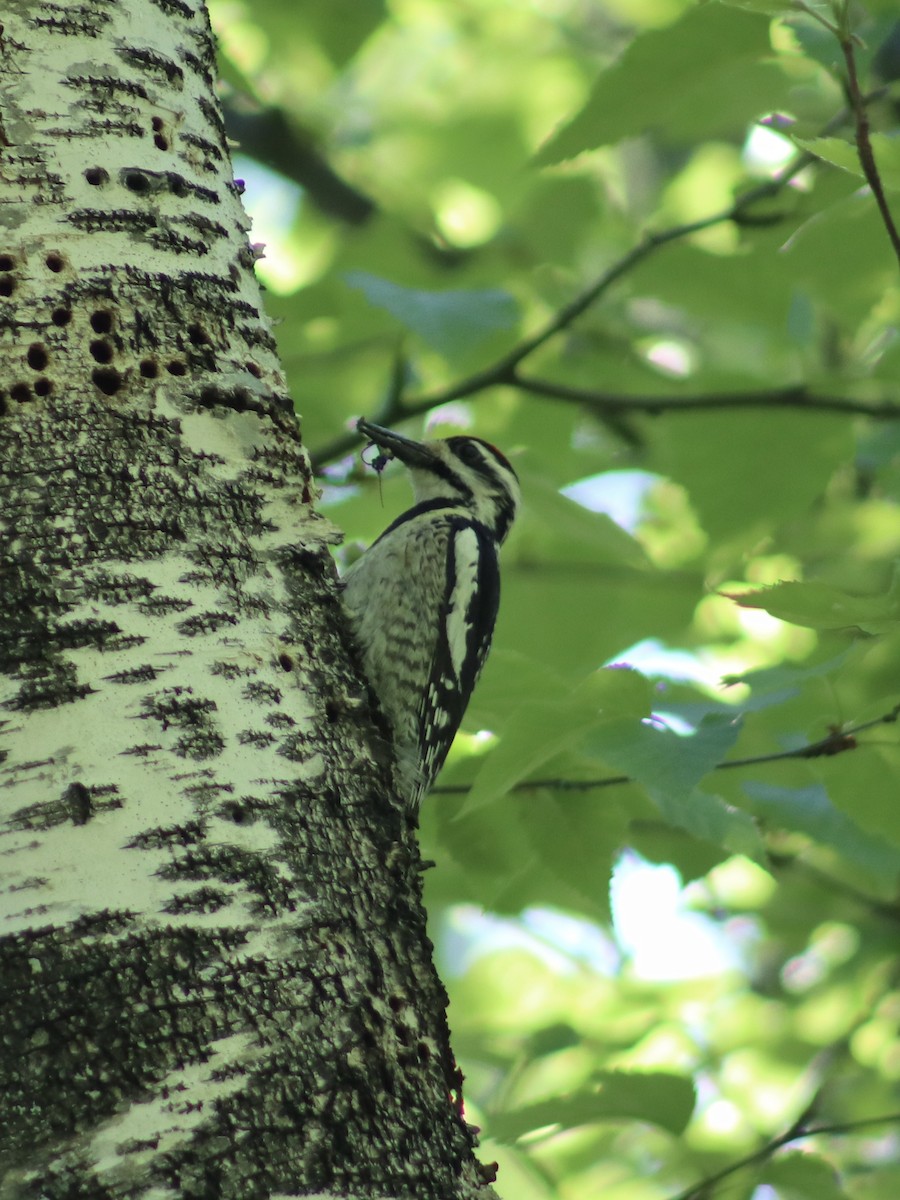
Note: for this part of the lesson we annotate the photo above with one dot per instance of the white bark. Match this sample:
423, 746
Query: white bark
214, 978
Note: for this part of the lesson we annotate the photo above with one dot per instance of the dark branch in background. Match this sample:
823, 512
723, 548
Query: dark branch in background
819, 1075
836, 741
799, 1130
797, 396
504, 372
283, 146
805, 1126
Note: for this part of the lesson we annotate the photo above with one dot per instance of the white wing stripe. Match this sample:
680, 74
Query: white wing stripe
466, 552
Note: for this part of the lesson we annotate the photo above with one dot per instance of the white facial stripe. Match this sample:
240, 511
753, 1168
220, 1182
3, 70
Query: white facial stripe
487, 489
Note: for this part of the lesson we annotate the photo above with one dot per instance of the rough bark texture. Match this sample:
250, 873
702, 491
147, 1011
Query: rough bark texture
214, 974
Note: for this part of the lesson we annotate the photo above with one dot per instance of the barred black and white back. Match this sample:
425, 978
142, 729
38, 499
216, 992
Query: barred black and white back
423, 599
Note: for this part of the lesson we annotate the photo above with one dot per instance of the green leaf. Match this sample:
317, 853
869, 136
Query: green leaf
662, 72
551, 1039
798, 1175
541, 729
742, 472
579, 840
844, 154
809, 810
337, 30
665, 762
508, 676
709, 818
774, 685
342, 26
691, 857
670, 766
865, 785
744, 290
842, 257
558, 529
838, 151
772, 8
603, 609
658, 1098
820, 606
451, 322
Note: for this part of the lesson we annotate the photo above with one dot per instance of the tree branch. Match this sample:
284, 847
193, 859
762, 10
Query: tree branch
797, 396
801, 1127
798, 1130
861, 120
846, 39
836, 741
503, 372
281, 144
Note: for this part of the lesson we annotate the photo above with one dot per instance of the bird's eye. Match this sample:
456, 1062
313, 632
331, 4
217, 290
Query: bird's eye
470, 453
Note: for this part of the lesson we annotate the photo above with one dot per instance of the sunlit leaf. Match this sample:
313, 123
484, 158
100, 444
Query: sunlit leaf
820, 606
661, 71
844, 154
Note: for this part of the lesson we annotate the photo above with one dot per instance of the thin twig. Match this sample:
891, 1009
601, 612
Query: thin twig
836, 741
861, 120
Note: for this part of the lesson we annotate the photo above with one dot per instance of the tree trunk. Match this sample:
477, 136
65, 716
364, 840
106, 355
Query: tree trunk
214, 974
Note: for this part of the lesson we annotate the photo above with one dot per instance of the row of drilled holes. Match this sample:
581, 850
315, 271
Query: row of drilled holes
108, 380
53, 262
136, 181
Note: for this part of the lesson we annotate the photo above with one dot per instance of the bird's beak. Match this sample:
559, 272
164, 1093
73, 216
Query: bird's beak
410, 452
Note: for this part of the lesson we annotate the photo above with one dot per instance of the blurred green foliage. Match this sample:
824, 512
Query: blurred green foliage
506, 155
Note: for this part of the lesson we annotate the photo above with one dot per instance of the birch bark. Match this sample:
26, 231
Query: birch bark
214, 974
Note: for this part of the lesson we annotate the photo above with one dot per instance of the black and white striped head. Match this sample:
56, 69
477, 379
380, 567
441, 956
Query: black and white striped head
465, 472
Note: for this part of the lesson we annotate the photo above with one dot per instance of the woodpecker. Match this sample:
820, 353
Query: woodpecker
422, 600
